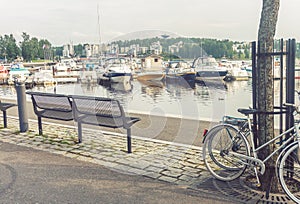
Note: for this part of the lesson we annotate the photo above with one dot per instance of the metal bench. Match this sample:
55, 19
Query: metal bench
52, 106
102, 112
3, 108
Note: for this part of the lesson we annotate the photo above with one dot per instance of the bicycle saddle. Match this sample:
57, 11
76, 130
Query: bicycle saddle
247, 111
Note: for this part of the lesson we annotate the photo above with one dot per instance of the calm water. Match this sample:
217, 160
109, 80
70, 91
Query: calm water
209, 102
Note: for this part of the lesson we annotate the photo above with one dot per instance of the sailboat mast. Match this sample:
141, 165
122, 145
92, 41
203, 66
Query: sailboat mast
99, 31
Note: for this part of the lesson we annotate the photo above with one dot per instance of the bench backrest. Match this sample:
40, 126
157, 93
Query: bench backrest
56, 103
97, 106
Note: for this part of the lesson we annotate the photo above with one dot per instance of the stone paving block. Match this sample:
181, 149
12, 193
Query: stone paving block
186, 177
167, 179
190, 169
109, 158
137, 171
191, 174
154, 169
140, 164
153, 175
176, 170
121, 161
171, 174
184, 163
122, 168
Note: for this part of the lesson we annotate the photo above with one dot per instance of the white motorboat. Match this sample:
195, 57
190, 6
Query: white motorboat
207, 68
64, 74
236, 71
17, 72
117, 70
44, 77
180, 69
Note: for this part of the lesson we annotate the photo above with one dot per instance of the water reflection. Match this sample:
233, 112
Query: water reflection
124, 87
179, 88
154, 89
200, 100
238, 86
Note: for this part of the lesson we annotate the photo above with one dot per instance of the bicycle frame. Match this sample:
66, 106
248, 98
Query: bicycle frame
260, 162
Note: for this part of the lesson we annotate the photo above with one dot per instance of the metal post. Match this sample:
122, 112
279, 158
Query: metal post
129, 141
254, 92
5, 119
290, 81
290, 91
22, 110
40, 125
79, 131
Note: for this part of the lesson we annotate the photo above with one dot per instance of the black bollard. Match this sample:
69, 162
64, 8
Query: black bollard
21, 97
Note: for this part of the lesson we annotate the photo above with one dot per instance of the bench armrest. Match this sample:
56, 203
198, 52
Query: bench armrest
129, 121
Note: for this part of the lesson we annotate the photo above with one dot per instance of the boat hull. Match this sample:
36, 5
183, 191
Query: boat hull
118, 77
237, 75
186, 76
150, 76
182, 78
214, 74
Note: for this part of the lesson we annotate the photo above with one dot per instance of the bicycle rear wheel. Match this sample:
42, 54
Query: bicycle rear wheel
289, 173
220, 141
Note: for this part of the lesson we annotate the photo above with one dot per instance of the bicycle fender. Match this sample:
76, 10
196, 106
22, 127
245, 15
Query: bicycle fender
282, 153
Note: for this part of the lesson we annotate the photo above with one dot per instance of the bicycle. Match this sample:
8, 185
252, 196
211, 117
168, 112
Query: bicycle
228, 150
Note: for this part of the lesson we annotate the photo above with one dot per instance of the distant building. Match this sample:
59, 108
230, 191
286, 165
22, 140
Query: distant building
92, 50
143, 50
176, 47
68, 50
156, 48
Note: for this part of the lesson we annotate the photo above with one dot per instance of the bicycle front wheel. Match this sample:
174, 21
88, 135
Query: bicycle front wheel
220, 142
289, 173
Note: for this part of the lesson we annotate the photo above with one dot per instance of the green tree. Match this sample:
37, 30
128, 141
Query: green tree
25, 47
34, 47
78, 50
8, 48
247, 53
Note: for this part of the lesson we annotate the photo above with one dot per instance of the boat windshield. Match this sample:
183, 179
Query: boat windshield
17, 66
178, 64
205, 62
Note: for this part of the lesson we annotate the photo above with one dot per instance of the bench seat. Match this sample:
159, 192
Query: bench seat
52, 106
102, 112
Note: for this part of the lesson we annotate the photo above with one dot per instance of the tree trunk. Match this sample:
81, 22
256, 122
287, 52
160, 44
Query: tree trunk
264, 84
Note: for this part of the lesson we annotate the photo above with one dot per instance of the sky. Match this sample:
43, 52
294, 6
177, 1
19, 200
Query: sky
76, 21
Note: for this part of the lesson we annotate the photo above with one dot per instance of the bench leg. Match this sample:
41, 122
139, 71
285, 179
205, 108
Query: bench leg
129, 140
40, 125
79, 132
4, 119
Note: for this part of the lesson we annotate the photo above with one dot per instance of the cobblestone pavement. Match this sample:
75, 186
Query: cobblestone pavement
165, 161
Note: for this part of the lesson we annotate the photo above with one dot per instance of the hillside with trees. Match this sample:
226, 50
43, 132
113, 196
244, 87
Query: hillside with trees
194, 47
32, 48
